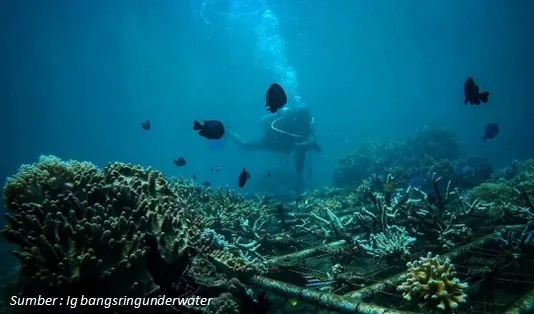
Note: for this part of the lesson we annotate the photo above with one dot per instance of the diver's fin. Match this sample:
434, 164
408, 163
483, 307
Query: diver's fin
484, 97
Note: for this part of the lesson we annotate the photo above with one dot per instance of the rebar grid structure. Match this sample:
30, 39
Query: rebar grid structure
360, 300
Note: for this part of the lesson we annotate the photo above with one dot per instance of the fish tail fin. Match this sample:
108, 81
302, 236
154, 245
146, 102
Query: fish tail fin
197, 125
484, 97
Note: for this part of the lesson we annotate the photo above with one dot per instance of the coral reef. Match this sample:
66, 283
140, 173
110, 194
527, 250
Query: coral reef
128, 230
433, 283
513, 184
432, 149
498, 193
517, 241
82, 229
394, 244
74, 223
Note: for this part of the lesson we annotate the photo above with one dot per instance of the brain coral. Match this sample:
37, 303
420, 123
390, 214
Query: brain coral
433, 283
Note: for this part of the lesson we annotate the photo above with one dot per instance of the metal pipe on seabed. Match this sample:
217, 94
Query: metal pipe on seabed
367, 292
326, 300
523, 305
352, 302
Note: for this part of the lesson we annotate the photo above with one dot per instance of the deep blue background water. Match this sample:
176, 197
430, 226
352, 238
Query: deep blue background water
78, 77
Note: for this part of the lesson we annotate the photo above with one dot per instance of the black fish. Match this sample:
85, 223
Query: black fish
275, 98
243, 177
206, 183
146, 125
211, 129
194, 177
472, 93
491, 131
180, 162
269, 174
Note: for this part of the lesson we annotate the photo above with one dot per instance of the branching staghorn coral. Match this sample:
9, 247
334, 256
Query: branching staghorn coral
505, 204
386, 206
334, 223
433, 284
430, 215
393, 244
392, 241
246, 249
518, 242
219, 208
229, 215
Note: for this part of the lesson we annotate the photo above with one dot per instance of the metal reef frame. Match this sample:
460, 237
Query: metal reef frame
355, 301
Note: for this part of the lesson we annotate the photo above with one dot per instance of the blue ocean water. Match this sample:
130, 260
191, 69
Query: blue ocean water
78, 77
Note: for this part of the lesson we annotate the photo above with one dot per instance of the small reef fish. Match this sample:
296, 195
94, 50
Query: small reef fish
472, 93
146, 125
417, 182
312, 282
293, 301
390, 186
243, 178
215, 169
210, 129
180, 162
491, 131
206, 184
275, 98
194, 176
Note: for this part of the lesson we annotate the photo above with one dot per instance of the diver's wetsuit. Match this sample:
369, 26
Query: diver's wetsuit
285, 132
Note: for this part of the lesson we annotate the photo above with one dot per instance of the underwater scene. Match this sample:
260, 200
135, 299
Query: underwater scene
267, 156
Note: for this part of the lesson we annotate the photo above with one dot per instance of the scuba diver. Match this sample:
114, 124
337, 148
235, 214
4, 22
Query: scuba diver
284, 132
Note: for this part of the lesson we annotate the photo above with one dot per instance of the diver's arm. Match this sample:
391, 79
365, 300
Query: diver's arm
246, 145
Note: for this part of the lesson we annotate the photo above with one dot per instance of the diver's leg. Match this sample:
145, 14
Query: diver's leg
244, 144
300, 158
309, 168
310, 145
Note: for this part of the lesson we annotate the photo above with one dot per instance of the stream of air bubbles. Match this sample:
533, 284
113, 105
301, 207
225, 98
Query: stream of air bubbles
270, 46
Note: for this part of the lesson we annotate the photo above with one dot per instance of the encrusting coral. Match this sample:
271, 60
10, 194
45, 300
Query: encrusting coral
433, 283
